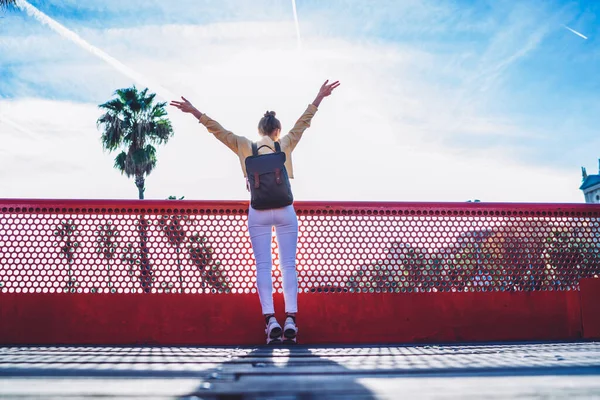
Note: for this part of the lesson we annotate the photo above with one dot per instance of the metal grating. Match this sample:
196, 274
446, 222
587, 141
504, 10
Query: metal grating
81, 246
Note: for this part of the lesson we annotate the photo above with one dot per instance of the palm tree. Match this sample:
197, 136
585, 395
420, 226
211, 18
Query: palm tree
201, 254
133, 122
68, 235
172, 227
107, 246
7, 3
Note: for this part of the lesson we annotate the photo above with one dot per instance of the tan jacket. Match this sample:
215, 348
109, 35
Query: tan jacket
242, 146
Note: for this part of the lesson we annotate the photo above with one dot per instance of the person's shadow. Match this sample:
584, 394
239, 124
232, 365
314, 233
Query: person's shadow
186, 372
284, 372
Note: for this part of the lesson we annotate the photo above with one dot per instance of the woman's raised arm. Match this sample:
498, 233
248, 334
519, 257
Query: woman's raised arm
228, 138
325, 91
186, 107
290, 140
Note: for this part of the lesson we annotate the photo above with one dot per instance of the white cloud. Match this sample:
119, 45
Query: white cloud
384, 135
64, 157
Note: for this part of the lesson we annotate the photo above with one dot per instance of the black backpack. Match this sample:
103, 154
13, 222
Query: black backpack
268, 179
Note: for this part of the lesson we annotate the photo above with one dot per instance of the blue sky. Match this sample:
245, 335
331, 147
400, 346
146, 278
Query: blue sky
456, 100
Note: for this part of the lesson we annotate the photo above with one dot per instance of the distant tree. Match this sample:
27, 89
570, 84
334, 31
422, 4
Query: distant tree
571, 254
401, 270
512, 257
134, 122
106, 245
199, 251
467, 261
172, 227
136, 256
131, 257
67, 233
201, 255
147, 278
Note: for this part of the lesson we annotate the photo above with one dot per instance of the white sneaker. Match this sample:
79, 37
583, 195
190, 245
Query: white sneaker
290, 330
273, 330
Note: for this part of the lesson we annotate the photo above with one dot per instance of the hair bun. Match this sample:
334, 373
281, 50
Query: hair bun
270, 114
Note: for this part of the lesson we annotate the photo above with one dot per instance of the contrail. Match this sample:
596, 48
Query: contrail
74, 37
575, 32
297, 24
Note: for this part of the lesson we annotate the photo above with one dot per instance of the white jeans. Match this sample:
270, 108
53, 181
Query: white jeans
260, 226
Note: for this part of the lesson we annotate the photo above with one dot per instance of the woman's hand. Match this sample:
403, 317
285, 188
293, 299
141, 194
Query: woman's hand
186, 107
325, 91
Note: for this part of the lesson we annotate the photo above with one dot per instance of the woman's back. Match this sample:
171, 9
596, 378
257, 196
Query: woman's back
242, 146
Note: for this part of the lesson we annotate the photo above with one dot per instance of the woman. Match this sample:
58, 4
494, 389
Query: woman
260, 222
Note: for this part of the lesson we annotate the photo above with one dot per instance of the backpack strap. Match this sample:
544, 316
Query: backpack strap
255, 148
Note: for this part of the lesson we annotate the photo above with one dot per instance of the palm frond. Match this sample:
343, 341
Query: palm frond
157, 131
132, 99
140, 161
115, 105
127, 93
121, 92
150, 160
7, 3
143, 156
162, 132
150, 167
159, 110
112, 137
148, 100
120, 162
150, 151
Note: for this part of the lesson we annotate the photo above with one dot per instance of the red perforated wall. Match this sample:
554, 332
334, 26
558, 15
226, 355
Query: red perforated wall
178, 272
203, 247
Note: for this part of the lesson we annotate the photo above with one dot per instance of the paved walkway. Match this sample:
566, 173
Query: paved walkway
555, 370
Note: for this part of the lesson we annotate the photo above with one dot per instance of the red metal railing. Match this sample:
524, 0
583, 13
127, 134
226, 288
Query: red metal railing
348, 252
202, 247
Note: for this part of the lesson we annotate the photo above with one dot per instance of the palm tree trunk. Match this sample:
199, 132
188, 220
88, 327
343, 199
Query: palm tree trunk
180, 273
146, 273
139, 182
109, 276
146, 268
70, 282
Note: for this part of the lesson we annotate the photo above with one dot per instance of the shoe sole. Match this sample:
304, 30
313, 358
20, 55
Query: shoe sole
290, 334
274, 342
290, 341
275, 333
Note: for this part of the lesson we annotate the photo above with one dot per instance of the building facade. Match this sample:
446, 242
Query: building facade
591, 186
